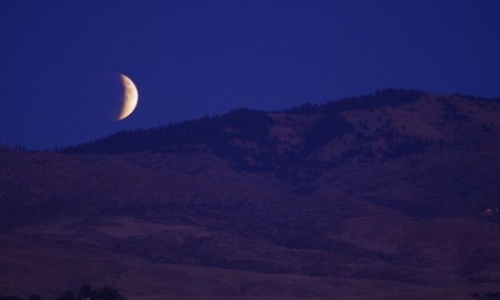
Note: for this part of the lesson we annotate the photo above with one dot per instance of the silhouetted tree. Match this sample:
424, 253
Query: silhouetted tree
84, 292
107, 293
486, 295
68, 295
12, 297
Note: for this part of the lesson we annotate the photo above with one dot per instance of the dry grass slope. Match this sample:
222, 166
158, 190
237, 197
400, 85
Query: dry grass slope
396, 200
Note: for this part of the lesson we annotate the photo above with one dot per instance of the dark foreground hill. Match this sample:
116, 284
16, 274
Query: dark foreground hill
393, 195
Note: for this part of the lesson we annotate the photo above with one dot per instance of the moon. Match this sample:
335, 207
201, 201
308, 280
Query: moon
130, 97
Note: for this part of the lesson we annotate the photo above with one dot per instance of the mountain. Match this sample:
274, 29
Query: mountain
392, 195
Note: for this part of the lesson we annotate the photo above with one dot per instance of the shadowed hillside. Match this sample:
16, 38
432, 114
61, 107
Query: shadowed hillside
384, 196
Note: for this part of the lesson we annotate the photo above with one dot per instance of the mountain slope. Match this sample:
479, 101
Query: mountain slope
396, 190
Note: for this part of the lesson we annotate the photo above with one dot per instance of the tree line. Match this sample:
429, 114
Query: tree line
86, 292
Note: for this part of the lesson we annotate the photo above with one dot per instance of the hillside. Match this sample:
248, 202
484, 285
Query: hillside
393, 195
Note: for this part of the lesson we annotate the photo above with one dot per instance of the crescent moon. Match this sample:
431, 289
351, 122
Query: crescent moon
130, 97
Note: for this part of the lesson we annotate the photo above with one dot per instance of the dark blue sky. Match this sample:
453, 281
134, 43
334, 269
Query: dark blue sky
195, 58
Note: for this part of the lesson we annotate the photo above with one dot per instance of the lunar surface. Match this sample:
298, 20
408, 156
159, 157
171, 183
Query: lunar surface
130, 97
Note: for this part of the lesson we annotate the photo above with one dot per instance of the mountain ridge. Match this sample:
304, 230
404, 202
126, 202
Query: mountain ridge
256, 118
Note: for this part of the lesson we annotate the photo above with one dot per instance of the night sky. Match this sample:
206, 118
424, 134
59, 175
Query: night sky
195, 58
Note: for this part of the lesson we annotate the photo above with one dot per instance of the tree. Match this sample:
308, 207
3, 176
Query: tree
84, 292
108, 293
13, 297
68, 295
